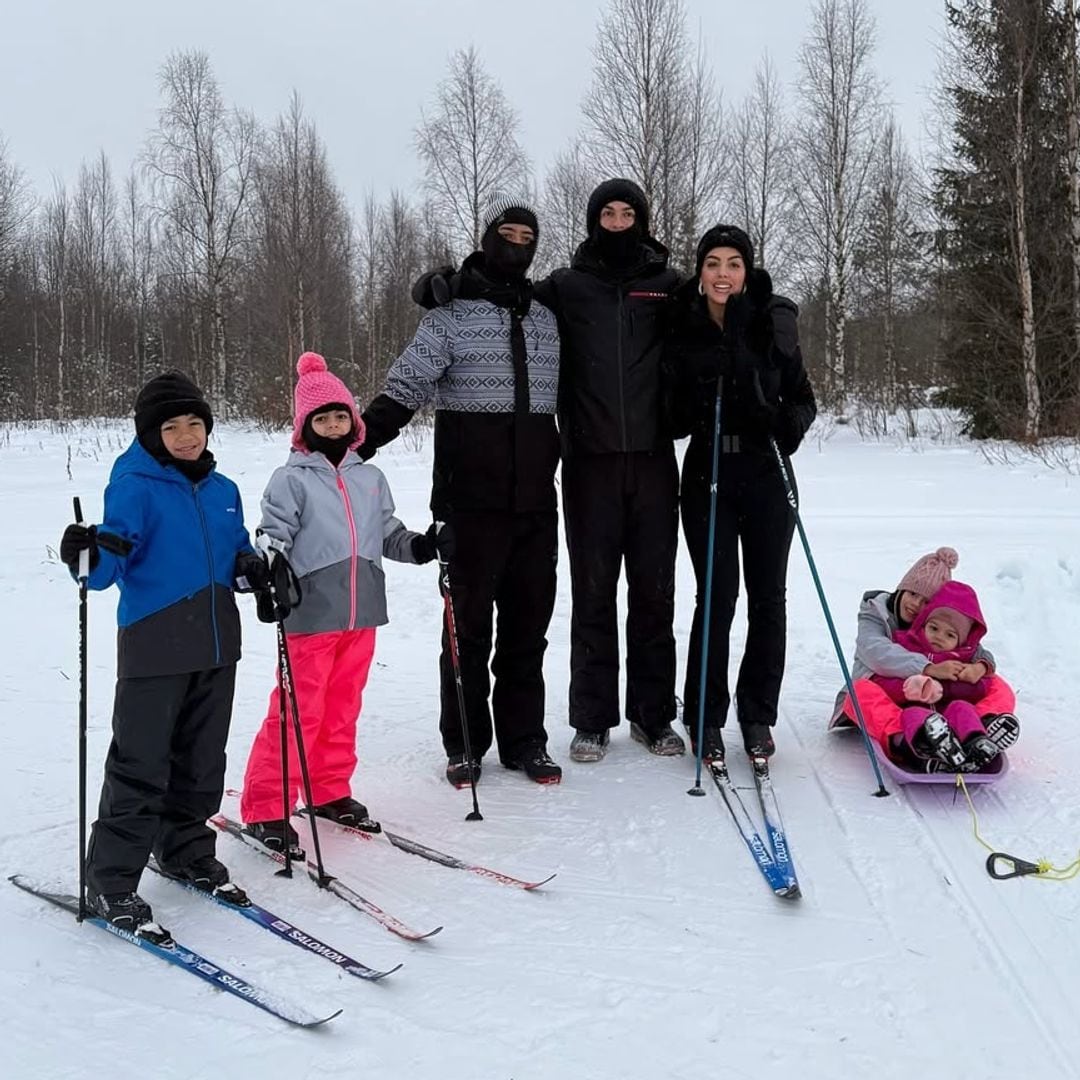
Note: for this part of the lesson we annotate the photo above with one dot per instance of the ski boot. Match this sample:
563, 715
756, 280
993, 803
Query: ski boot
712, 744
935, 739
208, 875
347, 811
536, 764
130, 912
461, 772
274, 835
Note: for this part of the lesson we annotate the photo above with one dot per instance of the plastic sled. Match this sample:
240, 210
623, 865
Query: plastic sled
989, 774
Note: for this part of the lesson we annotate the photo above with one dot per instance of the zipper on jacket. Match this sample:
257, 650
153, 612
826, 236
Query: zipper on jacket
210, 565
619, 358
353, 545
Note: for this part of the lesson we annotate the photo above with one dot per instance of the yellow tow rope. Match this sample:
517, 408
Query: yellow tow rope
1015, 867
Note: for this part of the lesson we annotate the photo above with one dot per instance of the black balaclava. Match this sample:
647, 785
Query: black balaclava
617, 248
163, 397
508, 260
333, 448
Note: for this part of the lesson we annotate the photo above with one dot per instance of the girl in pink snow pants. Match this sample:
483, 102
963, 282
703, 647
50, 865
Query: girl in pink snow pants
333, 515
878, 656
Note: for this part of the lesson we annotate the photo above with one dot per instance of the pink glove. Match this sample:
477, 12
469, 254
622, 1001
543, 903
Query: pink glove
923, 689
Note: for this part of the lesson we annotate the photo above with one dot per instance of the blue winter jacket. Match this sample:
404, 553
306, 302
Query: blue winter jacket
176, 612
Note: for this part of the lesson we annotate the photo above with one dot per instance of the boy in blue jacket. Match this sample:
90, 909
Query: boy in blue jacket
178, 644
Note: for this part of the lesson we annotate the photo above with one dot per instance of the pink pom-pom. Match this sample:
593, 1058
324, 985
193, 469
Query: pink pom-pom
948, 556
309, 362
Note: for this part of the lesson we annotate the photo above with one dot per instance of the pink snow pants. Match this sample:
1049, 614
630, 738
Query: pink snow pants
883, 715
330, 671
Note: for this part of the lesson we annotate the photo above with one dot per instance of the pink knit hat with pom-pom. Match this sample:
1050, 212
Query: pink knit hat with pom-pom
315, 389
929, 573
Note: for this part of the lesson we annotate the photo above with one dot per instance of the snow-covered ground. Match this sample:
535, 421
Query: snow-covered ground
657, 951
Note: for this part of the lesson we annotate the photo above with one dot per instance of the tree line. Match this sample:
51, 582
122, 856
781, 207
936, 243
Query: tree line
228, 247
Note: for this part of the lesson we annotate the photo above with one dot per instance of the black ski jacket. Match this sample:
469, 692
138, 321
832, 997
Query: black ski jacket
612, 326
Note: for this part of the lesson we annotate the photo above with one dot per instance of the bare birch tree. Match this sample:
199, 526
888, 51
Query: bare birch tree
16, 206
1072, 120
468, 143
760, 156
834, 152
201, 159
567, 186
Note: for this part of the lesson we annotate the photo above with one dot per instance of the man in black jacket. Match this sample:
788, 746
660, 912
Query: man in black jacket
620, 479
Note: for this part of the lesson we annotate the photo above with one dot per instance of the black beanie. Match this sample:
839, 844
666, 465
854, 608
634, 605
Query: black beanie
725, 236
618, 190
165, 396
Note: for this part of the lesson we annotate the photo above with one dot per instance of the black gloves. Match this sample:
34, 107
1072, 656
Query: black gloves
251, 572
282, 586
760, 413
77, 539
435, 288
437, 542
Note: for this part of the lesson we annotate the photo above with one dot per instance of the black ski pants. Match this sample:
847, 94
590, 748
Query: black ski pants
164, 775
752, 509
502, 580
622, 509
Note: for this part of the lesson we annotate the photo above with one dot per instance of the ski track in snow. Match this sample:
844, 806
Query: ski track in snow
657, 951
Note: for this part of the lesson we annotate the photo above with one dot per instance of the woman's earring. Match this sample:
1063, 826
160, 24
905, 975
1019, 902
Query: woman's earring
700, 288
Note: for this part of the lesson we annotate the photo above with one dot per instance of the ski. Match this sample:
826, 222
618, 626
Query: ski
282, 928
187, 960
763, 859
414, 847
774, 825
329, 883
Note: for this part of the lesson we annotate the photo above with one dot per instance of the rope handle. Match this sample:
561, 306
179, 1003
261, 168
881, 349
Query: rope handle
1019, 867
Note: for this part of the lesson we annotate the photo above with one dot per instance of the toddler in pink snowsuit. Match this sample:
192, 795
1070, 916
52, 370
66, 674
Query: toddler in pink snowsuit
333, 516
946, 633
878, 655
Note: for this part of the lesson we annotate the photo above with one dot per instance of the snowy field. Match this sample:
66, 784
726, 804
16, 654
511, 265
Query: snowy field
657, 951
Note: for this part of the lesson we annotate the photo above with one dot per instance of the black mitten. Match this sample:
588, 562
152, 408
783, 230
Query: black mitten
78, 538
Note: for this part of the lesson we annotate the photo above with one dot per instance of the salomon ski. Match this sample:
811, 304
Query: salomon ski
327, 882
187, 960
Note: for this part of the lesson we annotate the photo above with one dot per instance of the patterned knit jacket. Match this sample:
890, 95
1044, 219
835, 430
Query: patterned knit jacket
488, 456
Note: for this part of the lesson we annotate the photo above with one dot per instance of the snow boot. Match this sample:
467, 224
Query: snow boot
663, 741
461, 772
347, 811
589, 745
128, 911
935, 739
274, 835
1002, 728
535, 763
758, 740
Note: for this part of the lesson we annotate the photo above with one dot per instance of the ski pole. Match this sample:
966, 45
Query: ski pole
710, 549
84, 574
455, 661
793, 502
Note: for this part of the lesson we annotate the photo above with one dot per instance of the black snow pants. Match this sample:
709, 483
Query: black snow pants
622, 508
164, 775
752, 509
502, 579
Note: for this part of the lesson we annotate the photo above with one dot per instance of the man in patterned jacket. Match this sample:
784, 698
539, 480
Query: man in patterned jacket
489, 360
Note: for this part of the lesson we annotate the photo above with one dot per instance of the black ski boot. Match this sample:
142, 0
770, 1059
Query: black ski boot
208, 875
128, 911
461, 772
536, 764
347, 811
273, 835
758, 740
712, 744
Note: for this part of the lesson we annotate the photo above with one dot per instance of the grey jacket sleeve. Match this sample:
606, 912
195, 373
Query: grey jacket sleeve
281, 508
875, 647
397, 540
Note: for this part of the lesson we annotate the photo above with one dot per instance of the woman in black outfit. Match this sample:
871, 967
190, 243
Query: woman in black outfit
729, 332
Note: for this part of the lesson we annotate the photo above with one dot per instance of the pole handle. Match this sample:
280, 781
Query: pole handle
84, 555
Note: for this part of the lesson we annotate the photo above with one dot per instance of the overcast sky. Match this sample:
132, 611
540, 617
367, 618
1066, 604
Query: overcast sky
79, 76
